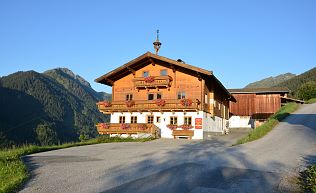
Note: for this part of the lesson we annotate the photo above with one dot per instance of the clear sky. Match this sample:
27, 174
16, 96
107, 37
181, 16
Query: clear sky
241, 41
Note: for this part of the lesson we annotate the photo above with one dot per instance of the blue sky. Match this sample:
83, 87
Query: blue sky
240, 41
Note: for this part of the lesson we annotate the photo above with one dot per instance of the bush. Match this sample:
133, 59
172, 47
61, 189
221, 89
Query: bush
307, 91
307, 180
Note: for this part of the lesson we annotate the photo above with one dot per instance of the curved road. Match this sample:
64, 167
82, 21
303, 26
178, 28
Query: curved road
265, 165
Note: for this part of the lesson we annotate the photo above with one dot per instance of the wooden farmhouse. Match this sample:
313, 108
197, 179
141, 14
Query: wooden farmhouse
158, 96
255, 105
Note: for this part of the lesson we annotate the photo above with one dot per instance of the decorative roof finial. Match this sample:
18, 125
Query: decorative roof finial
157, 44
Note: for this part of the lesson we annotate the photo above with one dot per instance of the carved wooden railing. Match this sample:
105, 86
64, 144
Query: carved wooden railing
158, 81
127, 128
142, 106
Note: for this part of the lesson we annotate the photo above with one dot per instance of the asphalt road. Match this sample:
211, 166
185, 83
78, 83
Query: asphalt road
265, 165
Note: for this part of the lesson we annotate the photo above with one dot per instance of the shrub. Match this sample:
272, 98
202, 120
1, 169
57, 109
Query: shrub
307, 180
307, 91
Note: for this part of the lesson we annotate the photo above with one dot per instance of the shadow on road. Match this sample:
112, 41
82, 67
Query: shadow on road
194, 168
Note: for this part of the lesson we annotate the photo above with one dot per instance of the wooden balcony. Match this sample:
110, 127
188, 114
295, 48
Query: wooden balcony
127, 128
183, 133
171, 105
157, 82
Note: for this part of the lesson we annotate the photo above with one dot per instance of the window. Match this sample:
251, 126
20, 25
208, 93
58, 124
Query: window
173, 120
159, 96
158, 119
181, 95
129, 97
187, 120
122, 119
151, 96
150, 119
145, 74
205, 98
163, 72
133, 119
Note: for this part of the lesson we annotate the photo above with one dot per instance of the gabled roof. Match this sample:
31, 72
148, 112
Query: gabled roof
142, 61
259, 90
149, 58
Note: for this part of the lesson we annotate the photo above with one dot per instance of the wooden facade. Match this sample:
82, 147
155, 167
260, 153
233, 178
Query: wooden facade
257, 103
152, 83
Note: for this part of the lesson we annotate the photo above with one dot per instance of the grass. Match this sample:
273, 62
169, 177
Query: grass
13, 171
307, 179
265, 128
311, 101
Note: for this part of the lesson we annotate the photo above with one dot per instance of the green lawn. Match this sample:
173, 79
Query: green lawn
13, 172
265, 128
310, 101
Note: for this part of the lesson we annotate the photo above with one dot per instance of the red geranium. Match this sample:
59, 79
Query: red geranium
160, 102
149, 79
186, 102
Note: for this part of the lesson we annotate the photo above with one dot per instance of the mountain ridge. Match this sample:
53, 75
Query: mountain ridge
57, 96
270, 81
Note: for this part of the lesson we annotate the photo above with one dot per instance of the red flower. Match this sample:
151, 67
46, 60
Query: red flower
172, 127
149, 79
104, 125
160, 102
186, 102
129, 103
124, 126
186, 127
105, 103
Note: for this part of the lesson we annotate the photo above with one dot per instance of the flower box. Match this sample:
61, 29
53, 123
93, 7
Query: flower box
104, 125
186, 127
160, 102
105, 103
186, 102
172, 127
124, 126
149, 79
129, 103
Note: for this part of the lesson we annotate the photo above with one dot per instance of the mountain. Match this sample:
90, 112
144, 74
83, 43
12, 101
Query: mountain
294, 83
56, 96
271, 81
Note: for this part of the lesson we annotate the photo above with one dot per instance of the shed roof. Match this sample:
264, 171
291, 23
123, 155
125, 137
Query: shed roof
259, 90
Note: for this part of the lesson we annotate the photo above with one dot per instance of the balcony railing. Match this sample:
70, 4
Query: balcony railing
126, 128
148, 106
152, 82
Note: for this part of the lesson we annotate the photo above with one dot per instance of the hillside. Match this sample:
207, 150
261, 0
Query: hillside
271, 81
56, 96
294, 83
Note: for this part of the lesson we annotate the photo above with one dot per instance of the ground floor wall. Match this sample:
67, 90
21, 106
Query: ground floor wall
202, 122
241, 122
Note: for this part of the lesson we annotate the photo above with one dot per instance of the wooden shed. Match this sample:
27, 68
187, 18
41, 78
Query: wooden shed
255, 104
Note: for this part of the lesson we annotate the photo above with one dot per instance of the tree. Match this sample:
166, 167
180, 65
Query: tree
307, 91
46, 135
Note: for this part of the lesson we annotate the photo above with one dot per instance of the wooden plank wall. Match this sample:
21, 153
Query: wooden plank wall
250, 104
267, 103
244, 105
